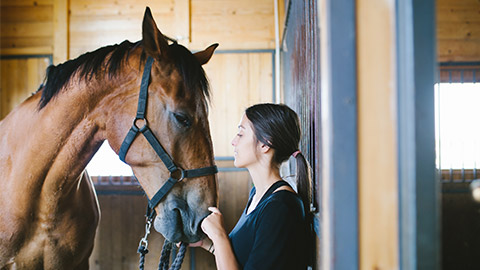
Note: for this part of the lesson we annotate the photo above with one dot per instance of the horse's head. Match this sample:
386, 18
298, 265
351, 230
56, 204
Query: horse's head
176, 113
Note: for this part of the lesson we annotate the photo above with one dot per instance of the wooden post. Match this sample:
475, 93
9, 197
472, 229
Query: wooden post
60, 31
377, 141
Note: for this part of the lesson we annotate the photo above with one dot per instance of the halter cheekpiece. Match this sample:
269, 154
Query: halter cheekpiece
177, 173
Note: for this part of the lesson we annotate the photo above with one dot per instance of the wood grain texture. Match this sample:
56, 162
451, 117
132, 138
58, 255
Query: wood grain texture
458, 30
237, 80
377, 152
20, 78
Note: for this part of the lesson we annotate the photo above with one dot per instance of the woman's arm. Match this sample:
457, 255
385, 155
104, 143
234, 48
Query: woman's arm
213, 227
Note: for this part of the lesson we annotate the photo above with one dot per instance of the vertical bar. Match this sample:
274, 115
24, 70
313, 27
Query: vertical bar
427, 186
276, 57
60, 30
192, 258
406, 136
338, 99
274, 79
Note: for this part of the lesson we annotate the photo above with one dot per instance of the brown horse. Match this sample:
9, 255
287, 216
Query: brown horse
48, 208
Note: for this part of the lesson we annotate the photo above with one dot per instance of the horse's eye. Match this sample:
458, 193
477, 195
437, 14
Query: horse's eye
182, 119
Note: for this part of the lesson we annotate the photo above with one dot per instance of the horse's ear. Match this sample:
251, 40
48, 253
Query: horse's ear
154, 42
206, 54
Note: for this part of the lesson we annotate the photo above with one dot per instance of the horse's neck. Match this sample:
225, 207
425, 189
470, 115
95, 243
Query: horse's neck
51, 147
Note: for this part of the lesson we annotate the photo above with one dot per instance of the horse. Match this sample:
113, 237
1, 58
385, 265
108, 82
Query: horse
49, 211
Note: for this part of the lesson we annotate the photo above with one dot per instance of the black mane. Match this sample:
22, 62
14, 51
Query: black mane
90, 63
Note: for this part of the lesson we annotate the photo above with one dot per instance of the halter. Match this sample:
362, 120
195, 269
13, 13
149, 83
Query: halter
147, 132
166, 159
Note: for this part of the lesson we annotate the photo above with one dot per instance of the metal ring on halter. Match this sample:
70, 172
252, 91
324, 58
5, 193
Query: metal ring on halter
182, 174
145, 124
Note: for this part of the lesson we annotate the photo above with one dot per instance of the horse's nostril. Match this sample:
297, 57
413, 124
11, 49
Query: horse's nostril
177, 215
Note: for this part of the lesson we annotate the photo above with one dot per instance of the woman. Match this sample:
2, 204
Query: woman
273, 231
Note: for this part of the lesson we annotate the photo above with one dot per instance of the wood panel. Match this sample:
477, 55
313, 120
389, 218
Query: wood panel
19, 79
26, 27
377, 155
246, 24
237, 80
122, 225
95, 24
458, 30
60, 31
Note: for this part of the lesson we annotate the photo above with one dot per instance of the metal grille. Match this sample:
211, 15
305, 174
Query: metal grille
453, 75
301, 78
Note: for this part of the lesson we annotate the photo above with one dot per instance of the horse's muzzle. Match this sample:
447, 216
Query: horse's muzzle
178, 222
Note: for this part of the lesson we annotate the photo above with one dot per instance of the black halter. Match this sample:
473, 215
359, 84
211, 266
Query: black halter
147, 132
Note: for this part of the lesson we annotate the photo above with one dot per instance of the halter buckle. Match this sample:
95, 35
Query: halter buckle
182, 174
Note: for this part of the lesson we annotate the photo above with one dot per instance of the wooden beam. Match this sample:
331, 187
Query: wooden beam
377, 142
60, 31
41, 50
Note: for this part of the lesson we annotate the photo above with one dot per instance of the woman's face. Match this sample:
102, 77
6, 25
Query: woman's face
245, 144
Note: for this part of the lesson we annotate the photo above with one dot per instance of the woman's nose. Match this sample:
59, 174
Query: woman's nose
234, 141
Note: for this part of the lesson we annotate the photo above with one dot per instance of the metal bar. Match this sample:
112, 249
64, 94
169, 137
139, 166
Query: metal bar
222, 158
338, 101
26, 56
454, 64
406, 136
427, 186
274, 80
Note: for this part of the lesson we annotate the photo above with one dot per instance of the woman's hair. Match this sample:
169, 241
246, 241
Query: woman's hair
278, 127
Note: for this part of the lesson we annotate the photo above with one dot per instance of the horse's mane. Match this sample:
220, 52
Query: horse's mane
90, 63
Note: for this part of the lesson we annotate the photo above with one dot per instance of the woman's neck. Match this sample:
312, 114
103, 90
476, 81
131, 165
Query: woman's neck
263, 177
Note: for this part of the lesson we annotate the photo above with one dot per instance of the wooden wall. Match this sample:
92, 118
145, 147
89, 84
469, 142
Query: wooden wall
24, 77
458, 30
237, 80
26, 27
122, 224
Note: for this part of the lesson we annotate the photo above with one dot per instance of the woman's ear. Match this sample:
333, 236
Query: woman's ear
264, 148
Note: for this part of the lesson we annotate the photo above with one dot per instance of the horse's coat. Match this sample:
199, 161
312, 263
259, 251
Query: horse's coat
48, 208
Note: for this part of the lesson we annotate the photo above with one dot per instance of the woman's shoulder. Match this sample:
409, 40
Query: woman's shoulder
283, 201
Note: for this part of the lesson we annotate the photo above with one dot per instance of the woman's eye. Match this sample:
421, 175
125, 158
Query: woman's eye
182, 119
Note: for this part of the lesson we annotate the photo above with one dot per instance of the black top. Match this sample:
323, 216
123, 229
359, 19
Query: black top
274, 234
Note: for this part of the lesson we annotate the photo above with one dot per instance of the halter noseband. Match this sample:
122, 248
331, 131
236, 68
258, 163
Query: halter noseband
147, 132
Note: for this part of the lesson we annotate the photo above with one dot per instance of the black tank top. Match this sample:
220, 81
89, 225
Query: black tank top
273, 235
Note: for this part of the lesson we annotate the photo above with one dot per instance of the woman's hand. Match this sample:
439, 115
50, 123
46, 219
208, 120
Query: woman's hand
205, 243
213, 225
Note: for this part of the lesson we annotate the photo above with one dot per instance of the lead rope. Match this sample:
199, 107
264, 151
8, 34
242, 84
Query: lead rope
165, 257
166, 250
